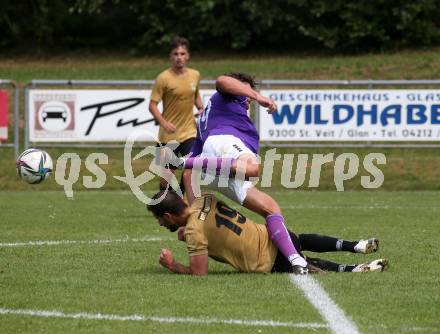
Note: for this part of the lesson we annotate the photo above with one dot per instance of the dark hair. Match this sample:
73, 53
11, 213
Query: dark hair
171, 203
243, 77
179, 41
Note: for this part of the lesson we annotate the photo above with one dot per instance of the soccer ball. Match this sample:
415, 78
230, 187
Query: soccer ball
34, 165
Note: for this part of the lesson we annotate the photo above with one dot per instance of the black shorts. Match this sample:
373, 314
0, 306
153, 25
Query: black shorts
282, 265
183, 149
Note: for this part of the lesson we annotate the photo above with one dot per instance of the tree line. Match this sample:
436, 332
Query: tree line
142, 26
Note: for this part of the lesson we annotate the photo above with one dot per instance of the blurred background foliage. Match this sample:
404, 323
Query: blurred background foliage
143, 26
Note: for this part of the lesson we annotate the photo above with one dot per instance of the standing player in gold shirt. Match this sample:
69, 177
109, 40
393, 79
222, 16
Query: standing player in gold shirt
178, 90
213, 229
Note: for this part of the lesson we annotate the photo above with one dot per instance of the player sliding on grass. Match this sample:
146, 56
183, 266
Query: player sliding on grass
227, 139
213, 229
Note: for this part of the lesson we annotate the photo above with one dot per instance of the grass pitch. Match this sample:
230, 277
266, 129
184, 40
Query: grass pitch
104, 260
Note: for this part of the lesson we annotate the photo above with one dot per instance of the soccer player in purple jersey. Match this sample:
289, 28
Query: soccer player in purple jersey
227, 137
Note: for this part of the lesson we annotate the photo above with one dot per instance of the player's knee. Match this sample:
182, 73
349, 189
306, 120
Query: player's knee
253, 170
247, 165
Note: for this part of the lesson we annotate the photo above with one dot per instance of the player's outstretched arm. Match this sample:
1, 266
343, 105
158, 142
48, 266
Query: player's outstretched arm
198, 264
229, 85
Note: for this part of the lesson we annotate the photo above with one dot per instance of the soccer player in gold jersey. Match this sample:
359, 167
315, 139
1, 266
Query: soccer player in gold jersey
178, 89
213, 229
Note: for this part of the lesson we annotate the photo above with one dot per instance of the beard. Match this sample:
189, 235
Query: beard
172, 228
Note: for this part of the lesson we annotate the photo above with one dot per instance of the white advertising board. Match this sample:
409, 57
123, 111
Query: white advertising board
352, 115
91, 115
3, 115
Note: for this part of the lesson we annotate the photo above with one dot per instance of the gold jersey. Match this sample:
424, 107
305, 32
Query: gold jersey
178, 94
226, 235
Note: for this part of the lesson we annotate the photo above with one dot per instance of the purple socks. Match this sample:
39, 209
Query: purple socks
280, 236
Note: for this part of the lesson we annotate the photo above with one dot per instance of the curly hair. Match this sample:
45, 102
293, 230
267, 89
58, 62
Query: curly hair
243, 77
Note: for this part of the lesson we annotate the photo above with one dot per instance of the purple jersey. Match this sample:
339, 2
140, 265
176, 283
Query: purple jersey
226, 114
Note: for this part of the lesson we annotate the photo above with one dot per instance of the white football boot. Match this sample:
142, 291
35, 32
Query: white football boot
167, 156
299, 265
367, 246
376, 265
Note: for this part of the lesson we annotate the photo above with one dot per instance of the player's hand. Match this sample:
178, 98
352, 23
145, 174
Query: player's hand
266, 102
166, 258
181, 233
169, 127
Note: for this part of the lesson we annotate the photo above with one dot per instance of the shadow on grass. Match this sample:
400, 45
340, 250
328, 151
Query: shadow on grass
158, 270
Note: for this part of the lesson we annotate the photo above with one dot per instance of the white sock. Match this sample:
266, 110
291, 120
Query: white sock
297, 260
339, 244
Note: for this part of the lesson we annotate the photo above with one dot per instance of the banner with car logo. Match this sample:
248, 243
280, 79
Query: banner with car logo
3, 115
91, 115
352, 115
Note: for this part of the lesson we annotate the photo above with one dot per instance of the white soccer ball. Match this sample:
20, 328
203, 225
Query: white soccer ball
34, 165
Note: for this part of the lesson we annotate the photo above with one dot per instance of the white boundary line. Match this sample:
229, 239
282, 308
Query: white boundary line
70, 242
138, 317
329, 310
360, 207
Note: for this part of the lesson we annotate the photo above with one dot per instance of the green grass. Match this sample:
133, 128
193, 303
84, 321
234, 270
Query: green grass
125, 278
406, 169
405, 64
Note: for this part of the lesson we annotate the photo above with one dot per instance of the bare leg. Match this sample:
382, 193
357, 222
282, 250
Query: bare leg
261, 203
246, 165
186, 177
164, 183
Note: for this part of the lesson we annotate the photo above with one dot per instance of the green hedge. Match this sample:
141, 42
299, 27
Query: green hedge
148, 25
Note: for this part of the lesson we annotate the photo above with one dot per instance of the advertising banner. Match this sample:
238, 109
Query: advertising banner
90, 115
3, 115
352, 115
